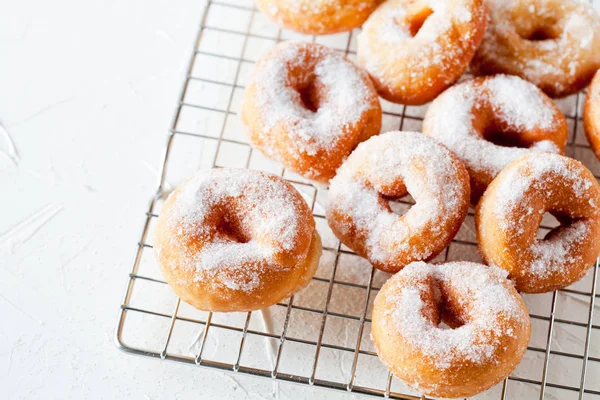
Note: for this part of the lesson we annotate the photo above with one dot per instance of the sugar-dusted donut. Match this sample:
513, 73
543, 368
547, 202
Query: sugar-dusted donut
553, 43
591, 115
318, 17
488, 327
236, 240
489, 122
414, 50
308, 107
511, 210
387, 167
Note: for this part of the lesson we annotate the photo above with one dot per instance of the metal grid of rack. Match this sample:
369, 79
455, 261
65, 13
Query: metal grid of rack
326, 327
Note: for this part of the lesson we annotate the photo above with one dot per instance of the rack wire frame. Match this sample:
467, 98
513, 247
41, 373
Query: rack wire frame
282, 337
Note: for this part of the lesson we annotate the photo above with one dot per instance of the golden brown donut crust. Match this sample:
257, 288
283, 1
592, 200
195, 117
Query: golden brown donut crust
414, 50
591, 115
511, 210
318, 17
236, 240
386, 167
482, 120
490, 321
308, 107
554, 44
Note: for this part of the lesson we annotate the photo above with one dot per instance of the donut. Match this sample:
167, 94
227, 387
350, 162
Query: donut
486, 334
308, 107
511, 210
591, 115
553, 43
236, 240
490, 121
414, 50
387, 167
318, 17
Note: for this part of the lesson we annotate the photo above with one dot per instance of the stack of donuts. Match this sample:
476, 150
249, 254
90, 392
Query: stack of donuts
240, 240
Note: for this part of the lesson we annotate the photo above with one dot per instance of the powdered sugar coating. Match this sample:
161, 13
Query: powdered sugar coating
513, 209
283, 127
396, 28
520, 104
230, 224
534, 174
414, 69
281, 102
318, 17
561, 64
490, 310
456, 117
558, 253
385, 164
450, 330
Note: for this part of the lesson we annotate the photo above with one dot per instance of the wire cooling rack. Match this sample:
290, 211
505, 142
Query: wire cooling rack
320, 336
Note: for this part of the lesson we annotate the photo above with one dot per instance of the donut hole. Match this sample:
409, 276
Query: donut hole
416, 15
540, 34
233, 232
547, 31
398, 207
310, 95
418, 20
444, 326
553, 222
505, 138
448, 313
397, 198
550, 223
499, 134
449, 317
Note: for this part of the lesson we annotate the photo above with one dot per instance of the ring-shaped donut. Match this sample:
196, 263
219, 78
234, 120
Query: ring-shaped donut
490, 121
236, 240
553, 43
511, 210
414, 50
387, 167
488, 331
591, 115
308, 107
318, 17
